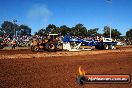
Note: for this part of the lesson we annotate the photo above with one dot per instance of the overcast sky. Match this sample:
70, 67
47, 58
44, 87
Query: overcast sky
38, 14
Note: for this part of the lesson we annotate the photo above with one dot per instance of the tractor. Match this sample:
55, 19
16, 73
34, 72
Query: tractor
50, 43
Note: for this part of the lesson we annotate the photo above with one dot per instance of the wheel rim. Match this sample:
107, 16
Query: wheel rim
52, 46
106, 47
36, 48
113, 47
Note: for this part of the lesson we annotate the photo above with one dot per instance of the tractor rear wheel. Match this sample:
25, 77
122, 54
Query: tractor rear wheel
36, 48
51, 46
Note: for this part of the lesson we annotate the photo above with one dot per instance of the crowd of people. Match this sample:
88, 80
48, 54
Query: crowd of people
26, 40
15, 40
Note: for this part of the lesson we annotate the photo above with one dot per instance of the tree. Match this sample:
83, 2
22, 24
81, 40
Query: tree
8, 27
41, 32
93, 32
24, 30
114, 32
56, 30
129, 33
79, 30
50, 28
1, 29
106, 31
1, 33
64, 30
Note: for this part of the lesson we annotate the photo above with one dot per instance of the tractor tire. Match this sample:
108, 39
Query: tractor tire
51, 47
36, 48
97, 47
60, 46
112, 47
32, 48
106, 47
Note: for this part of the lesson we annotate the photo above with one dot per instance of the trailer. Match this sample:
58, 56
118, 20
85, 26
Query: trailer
102, 43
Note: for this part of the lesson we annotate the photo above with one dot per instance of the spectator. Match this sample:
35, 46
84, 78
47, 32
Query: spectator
13, 43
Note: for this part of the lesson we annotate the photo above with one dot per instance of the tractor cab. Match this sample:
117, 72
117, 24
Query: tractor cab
51, 37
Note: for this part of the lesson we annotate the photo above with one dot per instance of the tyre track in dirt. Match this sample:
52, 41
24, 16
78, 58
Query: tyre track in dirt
24, 54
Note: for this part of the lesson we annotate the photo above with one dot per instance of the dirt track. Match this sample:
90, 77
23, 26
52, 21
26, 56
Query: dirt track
26, 69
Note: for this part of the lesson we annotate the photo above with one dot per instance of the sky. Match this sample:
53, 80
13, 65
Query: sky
38, 14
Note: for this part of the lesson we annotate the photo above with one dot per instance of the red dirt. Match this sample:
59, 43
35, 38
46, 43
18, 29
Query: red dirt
61, 72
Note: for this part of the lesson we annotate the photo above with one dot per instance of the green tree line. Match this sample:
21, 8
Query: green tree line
78, 30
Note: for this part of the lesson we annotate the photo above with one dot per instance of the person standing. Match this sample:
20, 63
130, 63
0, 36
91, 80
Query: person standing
13, 43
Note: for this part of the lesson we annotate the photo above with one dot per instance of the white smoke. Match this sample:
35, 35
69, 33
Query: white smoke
39, 13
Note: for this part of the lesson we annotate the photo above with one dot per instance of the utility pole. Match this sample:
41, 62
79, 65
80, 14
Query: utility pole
110, 31
14, 21
110, 3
